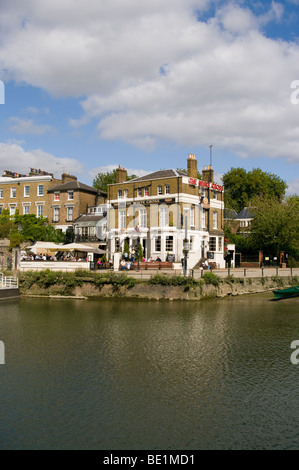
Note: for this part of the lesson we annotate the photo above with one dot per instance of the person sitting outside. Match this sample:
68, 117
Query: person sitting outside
158, 259
123, 265
206, 264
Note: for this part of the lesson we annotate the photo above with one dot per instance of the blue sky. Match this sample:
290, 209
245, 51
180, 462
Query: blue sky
93, 84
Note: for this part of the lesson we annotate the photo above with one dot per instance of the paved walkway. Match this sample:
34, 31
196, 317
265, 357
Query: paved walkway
236, 272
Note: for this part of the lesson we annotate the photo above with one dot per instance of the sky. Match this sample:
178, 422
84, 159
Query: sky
89, 85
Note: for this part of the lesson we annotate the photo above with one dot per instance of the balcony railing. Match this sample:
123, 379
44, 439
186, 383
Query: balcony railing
86, 238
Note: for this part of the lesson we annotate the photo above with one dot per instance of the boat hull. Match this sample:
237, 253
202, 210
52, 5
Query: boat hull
286, 293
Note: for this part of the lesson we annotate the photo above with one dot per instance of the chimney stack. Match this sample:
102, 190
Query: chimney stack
65, 177
192, 166
208, 174
121, 175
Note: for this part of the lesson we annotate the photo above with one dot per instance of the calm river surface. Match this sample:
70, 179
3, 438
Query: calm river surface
108, 374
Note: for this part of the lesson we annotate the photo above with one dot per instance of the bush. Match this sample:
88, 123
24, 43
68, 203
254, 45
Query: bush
164, 280
211, 278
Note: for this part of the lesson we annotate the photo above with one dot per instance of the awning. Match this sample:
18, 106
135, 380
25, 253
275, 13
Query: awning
44, 246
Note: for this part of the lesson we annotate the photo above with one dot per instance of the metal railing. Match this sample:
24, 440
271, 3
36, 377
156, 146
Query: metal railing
7, 282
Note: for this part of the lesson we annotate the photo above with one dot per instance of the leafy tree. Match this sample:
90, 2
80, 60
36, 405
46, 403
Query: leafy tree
244, 244
241, 187
102, 180
274, 227
139, 252
27, 227
126, 249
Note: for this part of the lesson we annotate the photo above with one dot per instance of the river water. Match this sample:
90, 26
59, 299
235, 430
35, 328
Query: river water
111, 374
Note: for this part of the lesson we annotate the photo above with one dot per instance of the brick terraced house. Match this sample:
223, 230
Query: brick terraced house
68, 200
26, 193
154, 210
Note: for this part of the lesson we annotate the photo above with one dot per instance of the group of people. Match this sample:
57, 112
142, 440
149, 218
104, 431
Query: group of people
46, 257
126, 265
38, 257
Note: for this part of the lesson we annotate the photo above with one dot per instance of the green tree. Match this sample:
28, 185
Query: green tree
126, 249
139, 252
102, 180
241, 187
27, 227
274, 227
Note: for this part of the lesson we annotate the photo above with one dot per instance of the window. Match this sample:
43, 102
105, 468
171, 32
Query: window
56, 214
120, 194
160, 190
57, 196
1, 209
70, 195
215, 220
40, 190
167, 189
142, 218
126, 194
158, 244
1, 193
12, 210
146, 191
163, 216
212, 244
220, 243
26, 209
117, 245
40, 210
122, 219
192, 217
70, 212
214, 195
139, 192
169, 243
26, 191
13, 192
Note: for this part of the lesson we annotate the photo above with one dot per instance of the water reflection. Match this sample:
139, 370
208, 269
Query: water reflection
138, 375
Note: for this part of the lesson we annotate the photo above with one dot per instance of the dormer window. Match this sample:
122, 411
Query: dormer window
56, 196
70, 195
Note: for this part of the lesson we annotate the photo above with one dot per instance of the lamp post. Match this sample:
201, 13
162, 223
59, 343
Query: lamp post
185, 246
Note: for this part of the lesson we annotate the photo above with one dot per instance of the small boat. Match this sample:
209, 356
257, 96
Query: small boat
286, 293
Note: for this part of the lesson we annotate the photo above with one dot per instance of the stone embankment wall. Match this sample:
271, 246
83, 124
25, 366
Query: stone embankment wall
147, 291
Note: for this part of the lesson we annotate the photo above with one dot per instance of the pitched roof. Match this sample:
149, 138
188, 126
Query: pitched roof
73, 185
88, 218
159, 174
230, 214
244, 214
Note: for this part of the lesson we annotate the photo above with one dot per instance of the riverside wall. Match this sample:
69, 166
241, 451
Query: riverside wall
147, 291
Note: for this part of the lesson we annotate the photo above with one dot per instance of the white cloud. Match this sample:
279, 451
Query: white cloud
151, 71
293, 187
27, 126
14, 157
113, 166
